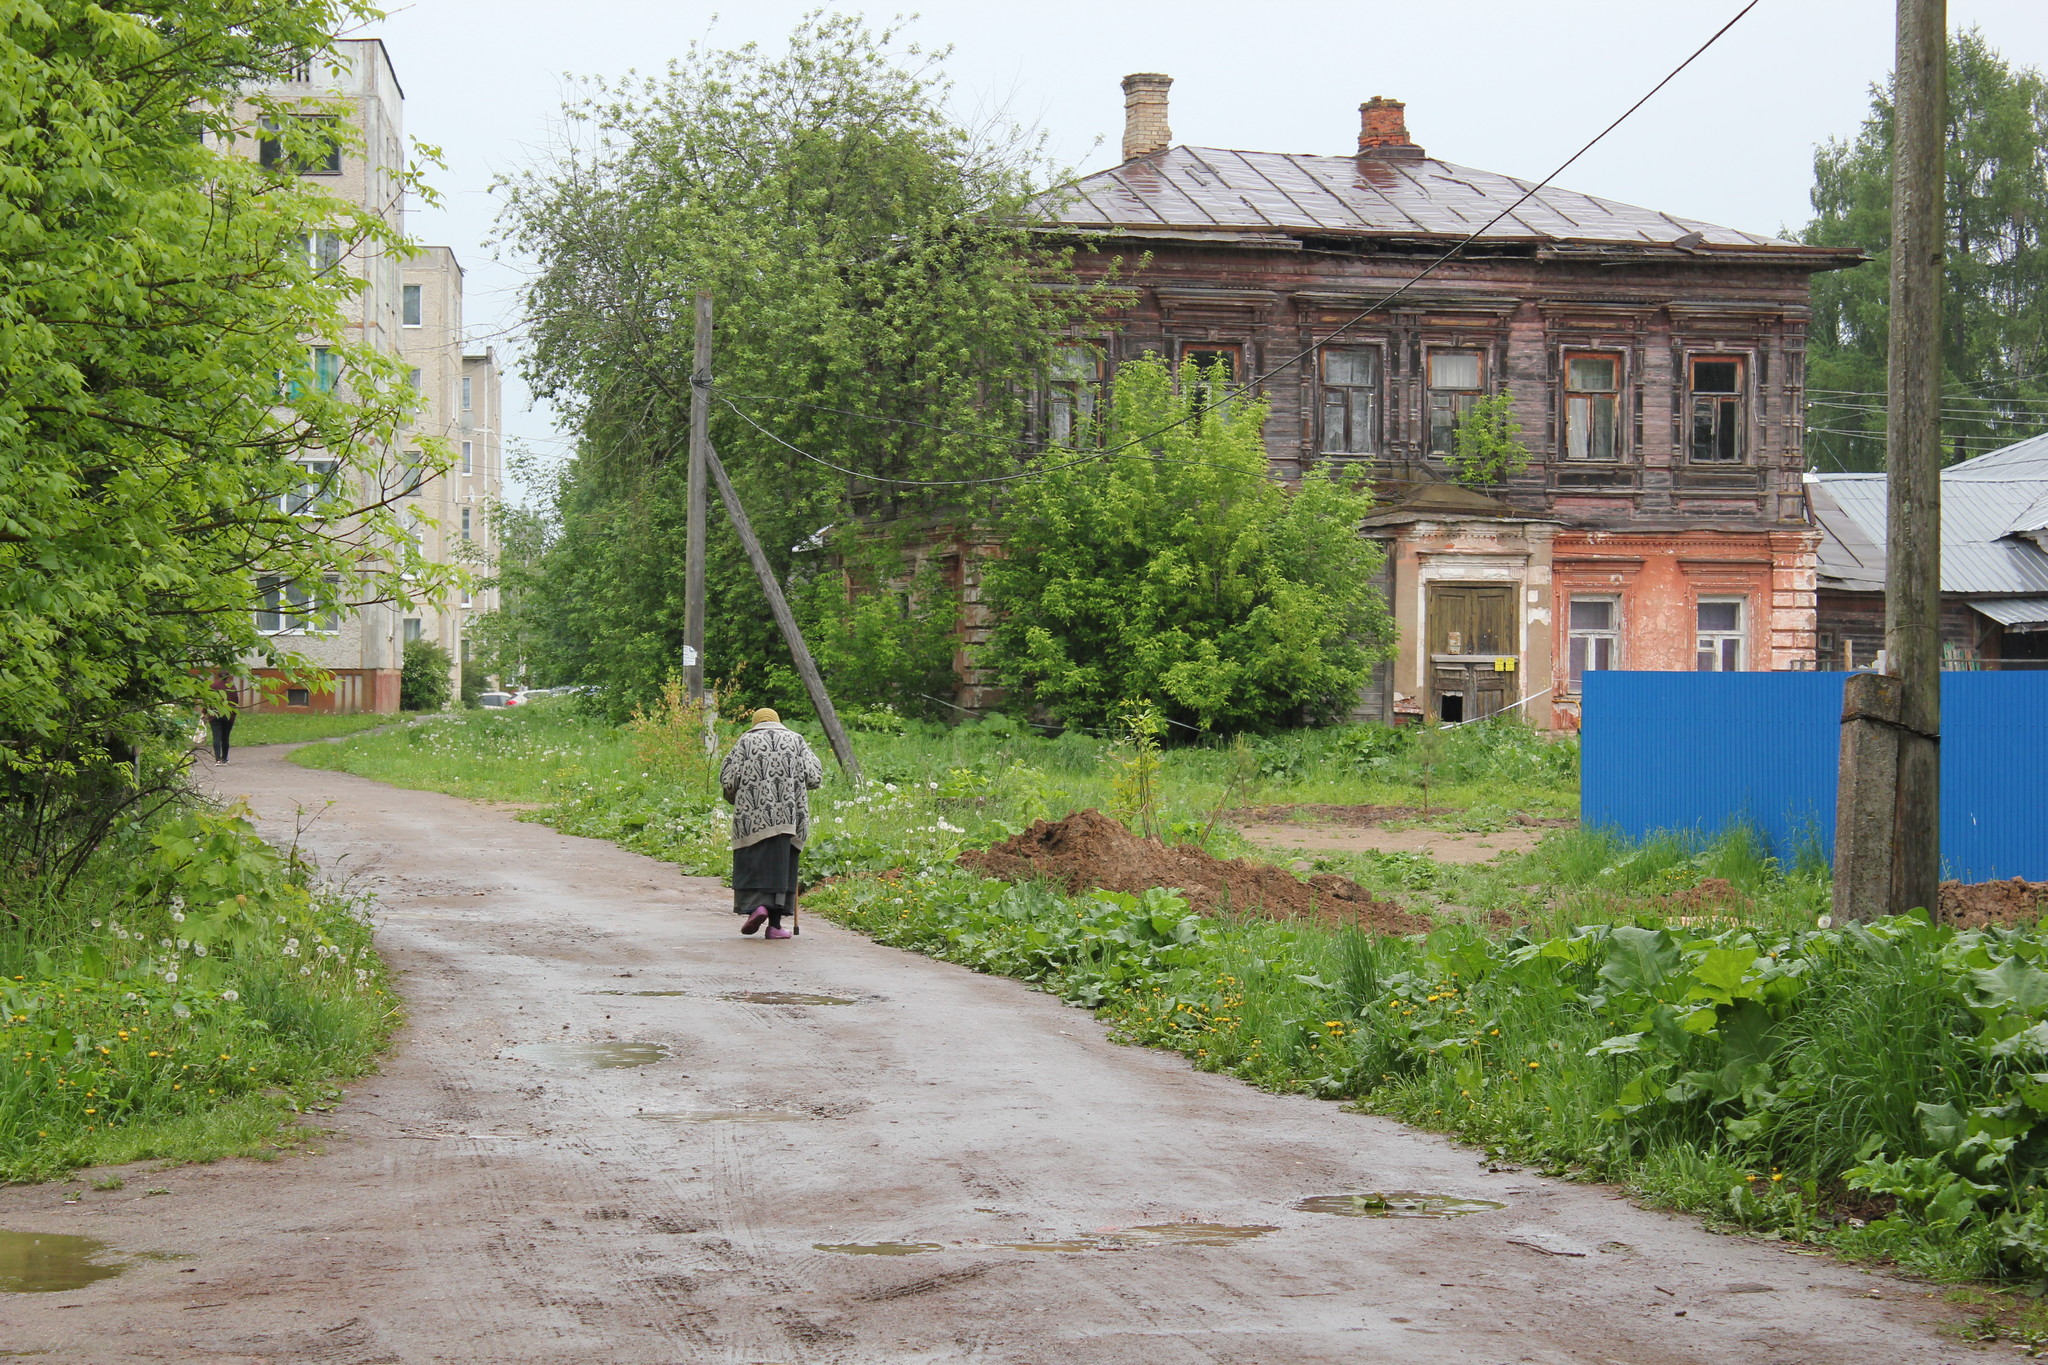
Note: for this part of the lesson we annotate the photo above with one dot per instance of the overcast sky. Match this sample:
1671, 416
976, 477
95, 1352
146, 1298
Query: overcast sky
1505, 85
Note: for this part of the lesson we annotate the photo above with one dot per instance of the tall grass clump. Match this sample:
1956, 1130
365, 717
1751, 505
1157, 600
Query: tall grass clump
183, 997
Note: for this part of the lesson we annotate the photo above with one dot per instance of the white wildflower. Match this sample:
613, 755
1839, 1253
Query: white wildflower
199, 950
171, 977
305, 971
177, 916
183, 944
96, 924
230, 996
163, 943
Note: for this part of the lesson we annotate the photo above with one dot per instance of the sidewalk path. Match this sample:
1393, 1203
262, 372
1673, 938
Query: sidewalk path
483, 1201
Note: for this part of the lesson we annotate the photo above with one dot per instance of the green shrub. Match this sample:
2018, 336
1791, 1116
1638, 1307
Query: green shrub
423, 681
474, 682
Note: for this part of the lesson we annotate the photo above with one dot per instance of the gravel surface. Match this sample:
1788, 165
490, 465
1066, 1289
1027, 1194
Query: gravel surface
505, 1192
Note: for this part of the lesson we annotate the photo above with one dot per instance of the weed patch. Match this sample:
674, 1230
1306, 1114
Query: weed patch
1876, 1089
184, 998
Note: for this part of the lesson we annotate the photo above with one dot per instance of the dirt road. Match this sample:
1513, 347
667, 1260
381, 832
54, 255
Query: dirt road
488, 1199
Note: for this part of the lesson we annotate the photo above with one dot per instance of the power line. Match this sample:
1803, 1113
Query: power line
1313, 347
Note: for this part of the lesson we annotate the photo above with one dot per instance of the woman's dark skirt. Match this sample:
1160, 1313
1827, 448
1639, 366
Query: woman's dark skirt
764, 873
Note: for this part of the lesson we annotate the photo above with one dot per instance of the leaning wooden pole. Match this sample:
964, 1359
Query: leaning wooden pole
1888, 816
806, 667
693, 516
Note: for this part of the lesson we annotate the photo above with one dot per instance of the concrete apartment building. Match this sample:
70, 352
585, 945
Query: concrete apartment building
412, 308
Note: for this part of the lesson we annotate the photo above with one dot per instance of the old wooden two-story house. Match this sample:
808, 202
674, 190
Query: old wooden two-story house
1656, 365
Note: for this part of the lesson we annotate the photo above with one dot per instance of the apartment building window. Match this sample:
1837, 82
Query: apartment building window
465, 393
1595, 636
465, 523
1456, 382
321, 375
1072, 392
414, 629
465, 597
412, 379
411, 310
1351, 400
322, 249
1717, 410
466, 466
1592, 395
411, 473
315, 482
286, 608
1721, 635
318, 150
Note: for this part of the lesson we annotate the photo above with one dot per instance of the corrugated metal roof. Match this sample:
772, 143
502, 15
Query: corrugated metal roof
1983, 503
1212, 189
2024, 613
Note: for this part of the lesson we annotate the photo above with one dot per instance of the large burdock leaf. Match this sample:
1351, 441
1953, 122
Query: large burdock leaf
2012, 984
1639, 959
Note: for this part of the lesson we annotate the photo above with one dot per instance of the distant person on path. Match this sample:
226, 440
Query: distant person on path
220, 711
768, 777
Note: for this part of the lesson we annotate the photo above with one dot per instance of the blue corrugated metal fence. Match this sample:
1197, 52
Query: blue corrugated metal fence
1703, 751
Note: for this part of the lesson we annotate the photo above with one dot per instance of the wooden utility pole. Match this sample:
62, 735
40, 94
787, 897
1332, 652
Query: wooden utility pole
700, 449
806, 667
1888, 814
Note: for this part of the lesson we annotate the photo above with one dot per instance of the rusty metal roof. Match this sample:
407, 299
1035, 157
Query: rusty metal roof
1987, 505
1211, 192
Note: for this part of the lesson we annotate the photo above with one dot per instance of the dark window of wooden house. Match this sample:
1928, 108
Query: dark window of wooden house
1351, 400
1456, 382
1592, 397
1216, 368
1074, 394
324, 160
1717, 410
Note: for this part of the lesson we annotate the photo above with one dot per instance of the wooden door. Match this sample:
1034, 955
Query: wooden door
1474, 661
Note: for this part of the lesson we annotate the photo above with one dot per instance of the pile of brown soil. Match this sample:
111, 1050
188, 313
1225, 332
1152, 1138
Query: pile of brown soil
1089, 849
1364, 815
1980, 905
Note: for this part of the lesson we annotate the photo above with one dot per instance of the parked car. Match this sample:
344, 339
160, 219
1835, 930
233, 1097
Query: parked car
495, 699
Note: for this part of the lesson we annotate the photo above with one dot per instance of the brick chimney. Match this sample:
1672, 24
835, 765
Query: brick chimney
1383, 130
1145, 129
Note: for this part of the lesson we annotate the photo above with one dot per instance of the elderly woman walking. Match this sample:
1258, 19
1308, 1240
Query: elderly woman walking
768, 777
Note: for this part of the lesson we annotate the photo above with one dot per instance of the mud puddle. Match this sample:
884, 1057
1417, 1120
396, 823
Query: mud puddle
1119, 1239
1396, 1204
727, 1116
590, 1056
786, 998
1157, 1235
46, 1263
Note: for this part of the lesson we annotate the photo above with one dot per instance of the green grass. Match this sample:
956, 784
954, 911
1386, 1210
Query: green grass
186, 998
935, 790
264, 727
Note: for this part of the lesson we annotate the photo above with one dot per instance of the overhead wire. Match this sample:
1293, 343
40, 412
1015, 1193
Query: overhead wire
1246, 386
